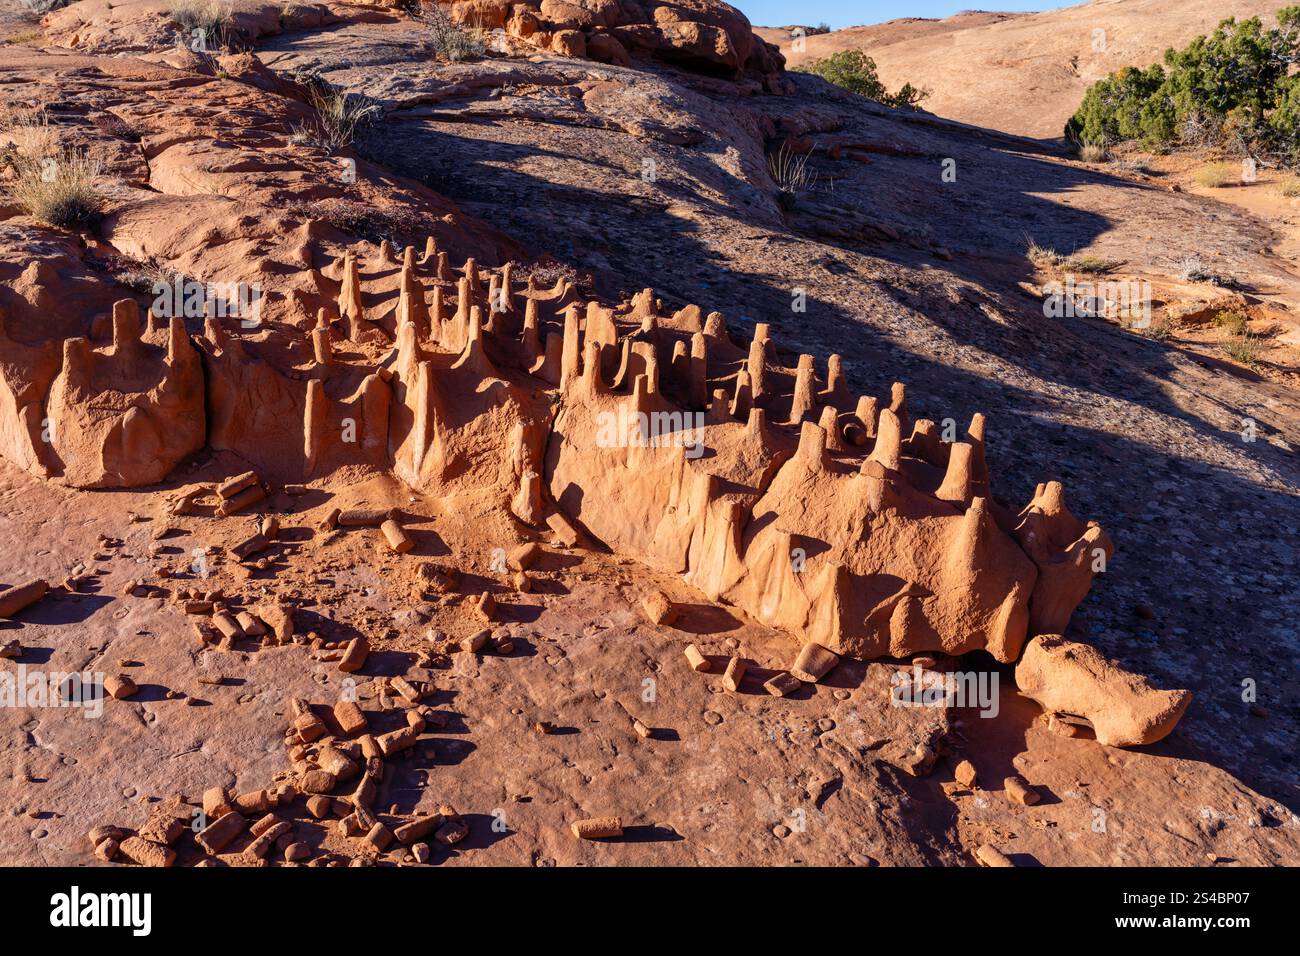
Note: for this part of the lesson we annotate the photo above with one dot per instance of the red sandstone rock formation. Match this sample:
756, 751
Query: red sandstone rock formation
839, 521
127, 413
704, 36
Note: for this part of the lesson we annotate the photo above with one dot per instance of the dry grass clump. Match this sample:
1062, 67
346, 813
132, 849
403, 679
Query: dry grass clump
207, 20
54, 184
1194, 269
1161, 330
1044, 257
1090, 265
59, 190
338, 115
791, 174
1093, 153
446, 39
25, 130
1245, 349
1218, 175
397, 224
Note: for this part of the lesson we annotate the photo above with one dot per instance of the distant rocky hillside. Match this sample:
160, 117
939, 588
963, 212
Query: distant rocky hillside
1022, 73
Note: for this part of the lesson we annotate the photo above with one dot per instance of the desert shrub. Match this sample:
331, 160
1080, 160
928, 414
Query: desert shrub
338, 115
59, 190
116, 127
854, 71
1245, 349
140, 275
1194, 269
208, 20
1231, 321
1118, 108
1289, 185
1093, 152
1229, 88
1218, 175
1160, 331
446, 39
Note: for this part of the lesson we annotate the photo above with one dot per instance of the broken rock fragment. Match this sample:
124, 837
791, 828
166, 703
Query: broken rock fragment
598, 828
813, 663
1019, 791
1066, 677
782, 685
659, 609
146, 853
23, 596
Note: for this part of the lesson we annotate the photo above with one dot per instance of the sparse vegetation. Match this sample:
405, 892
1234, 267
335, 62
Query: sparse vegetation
1089, 265
1234, 88
1289, 186
338, 115
1161, 331
38, 8
58, 190
1244, 349
445, 38
397, 224
790, 172
1137, 167
1218, 175
856, 72
1194, 269
140, 275
1043, 256
207, 20
26, 133
1231, 320
1093, 152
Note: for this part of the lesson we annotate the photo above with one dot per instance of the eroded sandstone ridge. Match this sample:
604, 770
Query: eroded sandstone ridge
841, 520
706, 36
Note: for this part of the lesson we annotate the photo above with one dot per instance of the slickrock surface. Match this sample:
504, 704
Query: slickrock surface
397, 579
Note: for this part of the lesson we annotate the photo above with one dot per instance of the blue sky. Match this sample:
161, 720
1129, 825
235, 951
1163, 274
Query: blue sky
852, 13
